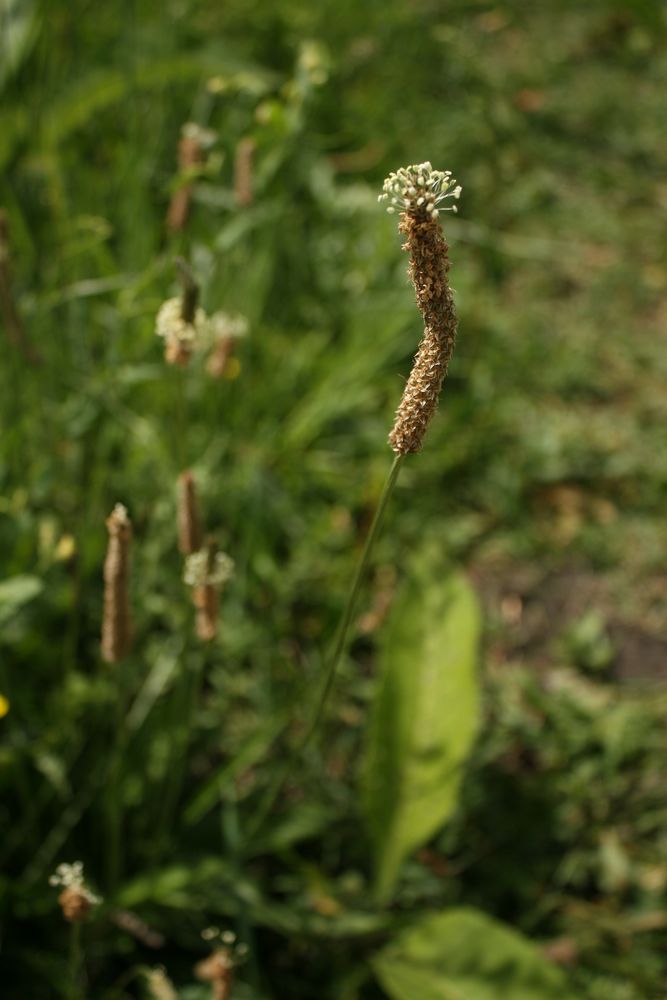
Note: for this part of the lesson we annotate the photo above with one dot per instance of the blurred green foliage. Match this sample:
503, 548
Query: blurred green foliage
546, 470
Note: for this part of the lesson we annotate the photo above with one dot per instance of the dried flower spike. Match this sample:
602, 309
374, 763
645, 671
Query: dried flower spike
76, 900
225, 330
138, 928
116, 623
217, 969
245, 152
189, 523
190, 156
206, 572
417, 191
180, 335
160, 985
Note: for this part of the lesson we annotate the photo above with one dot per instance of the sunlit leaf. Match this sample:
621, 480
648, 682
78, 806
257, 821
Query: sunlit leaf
17, 24
17, 591
464, 955
424, 718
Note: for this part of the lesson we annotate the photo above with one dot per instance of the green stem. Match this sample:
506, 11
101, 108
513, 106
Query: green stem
113, 784
75, 962
340, 644
346, 620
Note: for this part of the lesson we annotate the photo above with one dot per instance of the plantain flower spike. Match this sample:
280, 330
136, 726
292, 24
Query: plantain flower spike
76, 900
189, 521
225, 329
180, 333
116, 623
207, 571
419, 192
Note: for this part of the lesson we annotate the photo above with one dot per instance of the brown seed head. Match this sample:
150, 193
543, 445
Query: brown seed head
76, 900
226, 329
207, 602
245, 152
190, 156
189, 522
217, 969
429, 264
220, 355
116, 623
206, 572
416, 192
75, 904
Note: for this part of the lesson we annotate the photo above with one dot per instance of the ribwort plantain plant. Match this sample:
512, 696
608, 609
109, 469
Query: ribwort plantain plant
418, 193
116, 622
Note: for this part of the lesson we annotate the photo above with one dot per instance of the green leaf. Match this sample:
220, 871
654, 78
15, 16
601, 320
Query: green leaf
464, 955
425, 716
15, 592
17, 31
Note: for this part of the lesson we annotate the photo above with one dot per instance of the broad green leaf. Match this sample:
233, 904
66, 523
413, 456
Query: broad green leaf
464, 955
424, 718
15, 592
17, 31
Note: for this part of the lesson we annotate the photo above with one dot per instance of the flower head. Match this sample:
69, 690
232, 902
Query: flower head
179, 335
419, 190
225, 330
202, 571
222, 324
76, 900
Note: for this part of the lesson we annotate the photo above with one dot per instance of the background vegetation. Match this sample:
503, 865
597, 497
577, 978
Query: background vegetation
543, 483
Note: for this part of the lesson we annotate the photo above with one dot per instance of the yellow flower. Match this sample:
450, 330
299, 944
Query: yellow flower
4, 706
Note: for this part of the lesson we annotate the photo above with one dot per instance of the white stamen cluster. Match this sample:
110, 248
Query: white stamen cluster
170, 325
227, 938
71, 877
419, 190
222, 324
204, 137
198, 573
120, 516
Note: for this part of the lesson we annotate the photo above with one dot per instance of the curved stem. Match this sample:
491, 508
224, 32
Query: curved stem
339, 647
346, 620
